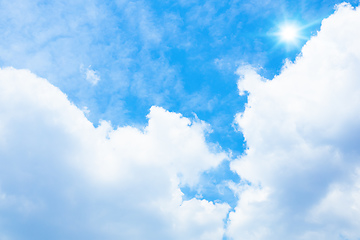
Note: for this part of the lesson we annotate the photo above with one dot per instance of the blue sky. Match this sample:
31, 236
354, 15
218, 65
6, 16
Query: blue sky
125, 119
179, 55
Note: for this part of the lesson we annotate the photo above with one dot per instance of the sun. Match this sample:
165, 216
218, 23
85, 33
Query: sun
288, 33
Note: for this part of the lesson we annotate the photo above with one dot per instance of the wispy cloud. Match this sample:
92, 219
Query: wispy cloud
90, 75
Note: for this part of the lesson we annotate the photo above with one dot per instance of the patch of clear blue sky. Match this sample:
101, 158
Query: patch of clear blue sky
214, 186
180, 55
191, 70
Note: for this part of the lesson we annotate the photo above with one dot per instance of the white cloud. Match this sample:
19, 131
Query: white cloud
92, 76
58, 170
302, 130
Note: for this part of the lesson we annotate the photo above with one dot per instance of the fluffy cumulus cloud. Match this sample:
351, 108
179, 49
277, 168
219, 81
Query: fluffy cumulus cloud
62, 178
301, 170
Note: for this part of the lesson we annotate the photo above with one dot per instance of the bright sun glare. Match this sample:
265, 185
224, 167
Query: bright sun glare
288, 33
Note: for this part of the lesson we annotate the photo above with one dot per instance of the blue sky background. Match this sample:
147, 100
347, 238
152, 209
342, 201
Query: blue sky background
181, 55
116, 59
